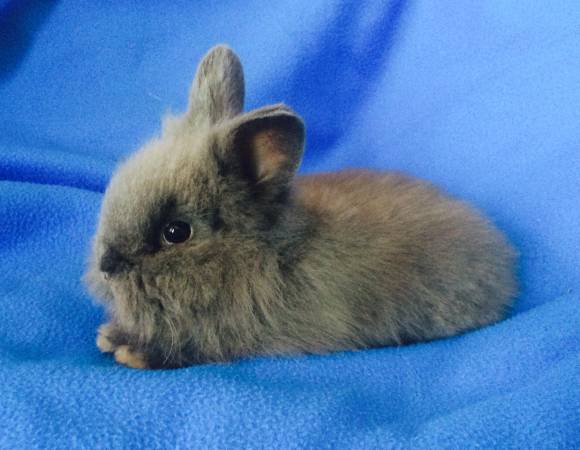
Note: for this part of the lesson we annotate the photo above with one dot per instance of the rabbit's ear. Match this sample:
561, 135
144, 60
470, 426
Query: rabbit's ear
217, 92
266, 145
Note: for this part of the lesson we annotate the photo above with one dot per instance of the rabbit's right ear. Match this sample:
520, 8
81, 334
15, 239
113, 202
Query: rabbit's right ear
217, 92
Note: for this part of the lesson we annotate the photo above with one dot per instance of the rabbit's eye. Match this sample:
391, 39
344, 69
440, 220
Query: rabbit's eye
176, 232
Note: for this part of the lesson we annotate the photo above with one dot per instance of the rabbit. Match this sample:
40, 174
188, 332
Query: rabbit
210, 248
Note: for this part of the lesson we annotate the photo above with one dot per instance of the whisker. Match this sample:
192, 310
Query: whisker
173, 334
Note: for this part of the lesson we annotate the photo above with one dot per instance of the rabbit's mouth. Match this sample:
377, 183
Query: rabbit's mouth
98, 285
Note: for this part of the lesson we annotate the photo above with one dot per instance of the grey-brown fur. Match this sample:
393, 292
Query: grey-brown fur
277, 264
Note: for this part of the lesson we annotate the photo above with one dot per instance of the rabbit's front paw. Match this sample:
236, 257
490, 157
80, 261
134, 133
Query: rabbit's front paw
124, 355
104, 341
110, 340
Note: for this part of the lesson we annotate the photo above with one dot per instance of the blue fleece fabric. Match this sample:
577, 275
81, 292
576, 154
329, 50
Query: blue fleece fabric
482, 98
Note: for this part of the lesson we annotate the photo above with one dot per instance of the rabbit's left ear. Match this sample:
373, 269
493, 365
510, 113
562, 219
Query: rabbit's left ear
217, 92
265, 146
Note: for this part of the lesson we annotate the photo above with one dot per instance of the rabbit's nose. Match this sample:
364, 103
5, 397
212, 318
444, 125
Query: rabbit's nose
113, 262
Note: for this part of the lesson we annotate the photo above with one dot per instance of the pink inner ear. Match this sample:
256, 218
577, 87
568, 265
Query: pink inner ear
268, 155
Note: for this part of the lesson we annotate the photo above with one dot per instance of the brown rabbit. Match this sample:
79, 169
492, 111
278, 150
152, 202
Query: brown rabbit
209, 248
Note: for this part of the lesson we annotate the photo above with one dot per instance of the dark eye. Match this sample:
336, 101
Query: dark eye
176, 232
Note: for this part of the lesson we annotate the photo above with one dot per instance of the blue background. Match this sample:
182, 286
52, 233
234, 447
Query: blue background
481, 98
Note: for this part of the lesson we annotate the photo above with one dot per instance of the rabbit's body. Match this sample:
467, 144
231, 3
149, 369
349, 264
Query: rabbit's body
276, 264
408, 263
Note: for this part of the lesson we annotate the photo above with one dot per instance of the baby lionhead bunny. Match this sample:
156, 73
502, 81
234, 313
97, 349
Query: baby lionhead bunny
209, 247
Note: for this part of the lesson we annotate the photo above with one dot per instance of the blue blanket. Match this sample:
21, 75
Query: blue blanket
481, 98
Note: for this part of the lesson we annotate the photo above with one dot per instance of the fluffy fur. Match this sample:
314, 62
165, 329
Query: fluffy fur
279, 264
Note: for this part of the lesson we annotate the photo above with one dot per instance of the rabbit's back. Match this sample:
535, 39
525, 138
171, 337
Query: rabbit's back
409, 262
